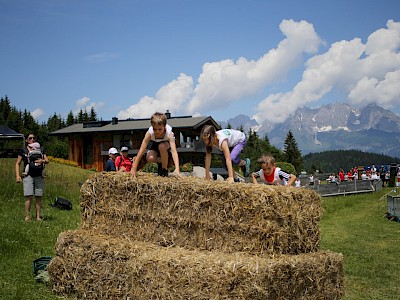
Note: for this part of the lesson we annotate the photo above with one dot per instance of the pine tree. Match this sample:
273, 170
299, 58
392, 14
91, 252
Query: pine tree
266, 139
257, 147
93, 115
85, 116
70, 119
82, 116
55, 122
5, 109
29, 123
14, 121
292, 153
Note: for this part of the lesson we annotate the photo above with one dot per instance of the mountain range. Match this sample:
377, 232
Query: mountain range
336, 126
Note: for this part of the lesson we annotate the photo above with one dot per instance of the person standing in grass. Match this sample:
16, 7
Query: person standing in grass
33, 185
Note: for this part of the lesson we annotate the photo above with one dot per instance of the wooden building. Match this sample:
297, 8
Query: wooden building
89, 141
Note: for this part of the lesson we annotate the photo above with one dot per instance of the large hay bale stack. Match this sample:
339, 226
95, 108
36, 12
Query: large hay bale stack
93, 266
198, 214
162, 238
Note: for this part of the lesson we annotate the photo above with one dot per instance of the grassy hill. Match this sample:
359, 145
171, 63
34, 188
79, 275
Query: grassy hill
352, 225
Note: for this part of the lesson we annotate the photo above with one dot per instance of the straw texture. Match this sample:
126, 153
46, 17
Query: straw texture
150, 237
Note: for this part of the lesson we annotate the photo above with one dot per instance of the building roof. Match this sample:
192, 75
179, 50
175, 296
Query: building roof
132, 124
6, 132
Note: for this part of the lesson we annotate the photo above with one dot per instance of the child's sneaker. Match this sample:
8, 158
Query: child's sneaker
164, 172
247, 168
159, 167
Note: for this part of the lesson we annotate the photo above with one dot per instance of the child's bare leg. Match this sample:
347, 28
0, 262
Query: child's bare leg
26, 171
152, 156
242, 163
163, 148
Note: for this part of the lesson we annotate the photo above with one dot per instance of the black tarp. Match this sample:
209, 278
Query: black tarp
7, 134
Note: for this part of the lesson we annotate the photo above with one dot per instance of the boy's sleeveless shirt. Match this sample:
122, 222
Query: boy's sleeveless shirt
168, 130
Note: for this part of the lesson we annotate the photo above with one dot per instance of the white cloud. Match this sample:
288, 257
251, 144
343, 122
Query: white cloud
366, 73
82, 101
379, 80
37, 113
321, 74
370, 90
85, 104
384, 40
172, 97
226, 81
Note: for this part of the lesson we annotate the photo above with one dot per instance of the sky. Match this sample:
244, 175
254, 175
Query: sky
219, 58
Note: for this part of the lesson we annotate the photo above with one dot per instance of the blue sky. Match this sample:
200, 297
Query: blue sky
219, 58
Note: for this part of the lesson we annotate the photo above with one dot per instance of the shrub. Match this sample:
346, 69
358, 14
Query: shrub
63, 161
286, 167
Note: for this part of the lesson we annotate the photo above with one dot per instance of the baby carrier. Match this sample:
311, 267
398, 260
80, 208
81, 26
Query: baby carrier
35, 169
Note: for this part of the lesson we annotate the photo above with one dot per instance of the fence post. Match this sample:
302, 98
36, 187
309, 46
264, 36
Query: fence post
393, 174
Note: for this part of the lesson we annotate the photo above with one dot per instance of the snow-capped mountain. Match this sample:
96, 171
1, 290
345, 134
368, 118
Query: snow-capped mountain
241, 121
334, 127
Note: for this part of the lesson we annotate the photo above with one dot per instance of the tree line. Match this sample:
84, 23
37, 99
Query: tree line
289, 159
332, 161
23, 122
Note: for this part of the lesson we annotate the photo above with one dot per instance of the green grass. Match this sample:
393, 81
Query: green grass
353, 225
20, 242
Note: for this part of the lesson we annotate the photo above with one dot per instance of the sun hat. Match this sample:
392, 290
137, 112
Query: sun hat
124, 149
112, 151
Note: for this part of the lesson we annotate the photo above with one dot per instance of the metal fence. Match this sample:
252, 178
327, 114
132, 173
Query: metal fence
347, 187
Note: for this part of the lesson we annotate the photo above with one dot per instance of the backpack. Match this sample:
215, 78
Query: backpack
34, 168
119, 161
62, 203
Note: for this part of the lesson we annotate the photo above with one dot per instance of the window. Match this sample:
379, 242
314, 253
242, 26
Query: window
120, 140
87, 151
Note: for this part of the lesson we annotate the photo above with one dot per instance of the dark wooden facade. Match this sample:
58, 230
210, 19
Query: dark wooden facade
89, 142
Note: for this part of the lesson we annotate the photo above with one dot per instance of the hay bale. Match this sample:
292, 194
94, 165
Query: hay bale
205, 215
93, 266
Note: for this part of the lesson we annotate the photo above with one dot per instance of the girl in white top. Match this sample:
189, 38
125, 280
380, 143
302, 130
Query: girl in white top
225, 139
